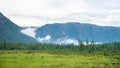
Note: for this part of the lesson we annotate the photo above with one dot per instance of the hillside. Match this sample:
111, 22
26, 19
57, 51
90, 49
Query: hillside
77, 31
10, 32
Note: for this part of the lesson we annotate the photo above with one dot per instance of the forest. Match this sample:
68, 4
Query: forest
88, 47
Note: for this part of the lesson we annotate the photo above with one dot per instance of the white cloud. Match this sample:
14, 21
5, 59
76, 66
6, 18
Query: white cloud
40, 12
44, 39
67, 41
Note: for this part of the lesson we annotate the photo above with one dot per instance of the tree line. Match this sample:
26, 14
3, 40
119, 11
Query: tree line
106, 48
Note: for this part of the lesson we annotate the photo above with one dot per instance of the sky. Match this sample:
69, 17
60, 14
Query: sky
41, 12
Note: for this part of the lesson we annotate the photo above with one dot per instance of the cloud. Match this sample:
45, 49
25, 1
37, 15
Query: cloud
41, 12
44, 39
66, 40
103, 18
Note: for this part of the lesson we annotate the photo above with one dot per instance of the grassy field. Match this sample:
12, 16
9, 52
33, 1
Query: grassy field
38, 59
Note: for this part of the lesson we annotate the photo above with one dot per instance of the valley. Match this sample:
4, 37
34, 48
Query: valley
59, 45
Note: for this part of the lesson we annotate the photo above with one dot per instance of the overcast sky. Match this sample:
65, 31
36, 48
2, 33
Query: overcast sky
41, 12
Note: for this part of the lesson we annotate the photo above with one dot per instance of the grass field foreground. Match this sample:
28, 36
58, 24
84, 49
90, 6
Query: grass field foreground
23, 59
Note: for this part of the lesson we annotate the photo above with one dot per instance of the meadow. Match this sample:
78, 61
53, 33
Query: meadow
42, 59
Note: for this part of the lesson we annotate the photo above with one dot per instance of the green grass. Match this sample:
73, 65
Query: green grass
38, 59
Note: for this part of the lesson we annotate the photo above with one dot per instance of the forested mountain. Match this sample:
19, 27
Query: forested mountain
10, 32
78, 31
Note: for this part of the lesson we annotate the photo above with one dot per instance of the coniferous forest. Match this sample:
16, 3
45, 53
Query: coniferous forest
106, 48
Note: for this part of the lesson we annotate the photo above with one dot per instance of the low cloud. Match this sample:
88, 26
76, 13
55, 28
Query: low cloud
66, 40
44, 39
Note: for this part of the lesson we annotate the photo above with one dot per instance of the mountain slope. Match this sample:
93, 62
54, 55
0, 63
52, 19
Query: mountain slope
10, 32
77, 31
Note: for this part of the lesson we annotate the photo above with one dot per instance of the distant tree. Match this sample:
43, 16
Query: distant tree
4, 45
81, 45
91, 47
87, 42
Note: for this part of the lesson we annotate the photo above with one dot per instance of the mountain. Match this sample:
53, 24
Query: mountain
10, 32
73, 31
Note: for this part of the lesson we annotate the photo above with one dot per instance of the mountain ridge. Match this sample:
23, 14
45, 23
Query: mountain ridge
79, 31
10, 32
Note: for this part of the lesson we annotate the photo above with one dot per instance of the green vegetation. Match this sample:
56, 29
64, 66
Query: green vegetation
106, 49
19, 55
41, 59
